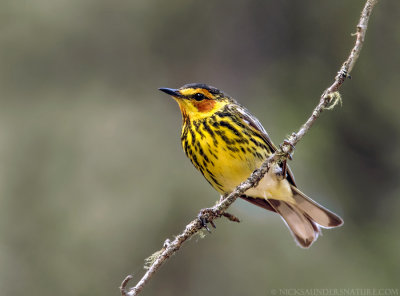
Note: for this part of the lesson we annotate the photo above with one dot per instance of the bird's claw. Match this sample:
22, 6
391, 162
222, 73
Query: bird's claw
206, 216
343, 74
288, 152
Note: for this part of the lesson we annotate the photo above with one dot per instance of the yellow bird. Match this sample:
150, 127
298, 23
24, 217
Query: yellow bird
226, 144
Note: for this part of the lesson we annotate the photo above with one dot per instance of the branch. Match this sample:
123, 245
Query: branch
328, 100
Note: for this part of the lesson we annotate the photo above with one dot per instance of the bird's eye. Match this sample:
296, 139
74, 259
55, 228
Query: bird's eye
199, 97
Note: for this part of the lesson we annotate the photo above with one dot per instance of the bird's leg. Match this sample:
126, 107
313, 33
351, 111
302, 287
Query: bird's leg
284, 169
287, 154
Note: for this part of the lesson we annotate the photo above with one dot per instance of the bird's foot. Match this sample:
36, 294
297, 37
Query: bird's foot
207, 215
290, 147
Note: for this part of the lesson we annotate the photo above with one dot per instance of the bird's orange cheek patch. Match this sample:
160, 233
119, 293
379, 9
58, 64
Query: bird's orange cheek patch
205, 105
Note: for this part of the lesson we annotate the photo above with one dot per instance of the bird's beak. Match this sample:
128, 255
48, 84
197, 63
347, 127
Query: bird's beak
172, 92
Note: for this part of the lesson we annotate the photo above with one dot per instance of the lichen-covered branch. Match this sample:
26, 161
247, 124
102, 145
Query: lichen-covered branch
328, 99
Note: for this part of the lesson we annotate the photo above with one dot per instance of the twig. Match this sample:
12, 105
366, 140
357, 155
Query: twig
329, 96
124, 284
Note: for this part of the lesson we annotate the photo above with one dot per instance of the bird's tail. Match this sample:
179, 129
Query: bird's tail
304, 217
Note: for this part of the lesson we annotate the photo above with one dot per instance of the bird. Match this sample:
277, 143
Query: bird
226, 143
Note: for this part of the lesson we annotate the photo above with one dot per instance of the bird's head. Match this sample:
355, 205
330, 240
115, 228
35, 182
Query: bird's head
198, 101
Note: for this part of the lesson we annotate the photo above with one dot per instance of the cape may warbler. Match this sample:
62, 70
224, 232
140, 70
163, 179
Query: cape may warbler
226, 144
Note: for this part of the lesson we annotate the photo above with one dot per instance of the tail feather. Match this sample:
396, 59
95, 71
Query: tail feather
304, 229
316, 212
303, 216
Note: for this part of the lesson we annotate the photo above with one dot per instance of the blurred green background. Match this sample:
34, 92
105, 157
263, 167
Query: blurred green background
92, 175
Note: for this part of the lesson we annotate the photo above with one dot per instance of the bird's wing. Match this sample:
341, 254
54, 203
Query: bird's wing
255, 124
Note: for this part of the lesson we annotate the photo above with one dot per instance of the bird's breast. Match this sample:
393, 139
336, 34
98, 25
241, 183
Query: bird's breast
222, 152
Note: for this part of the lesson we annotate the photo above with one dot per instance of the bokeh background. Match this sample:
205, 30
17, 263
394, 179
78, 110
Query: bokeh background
92, 175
